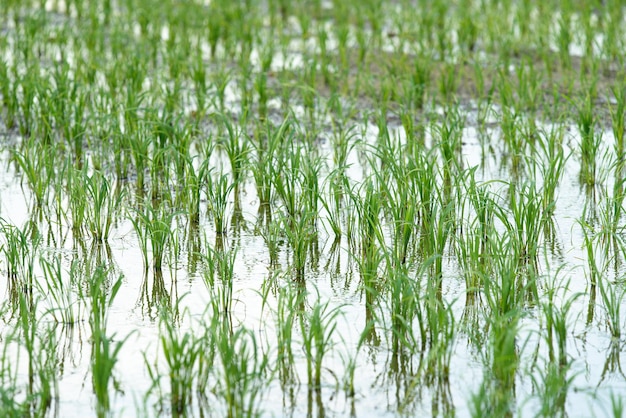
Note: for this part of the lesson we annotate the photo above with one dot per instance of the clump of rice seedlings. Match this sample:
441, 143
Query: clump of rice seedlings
42, 383
300, 234
474, 244
504, 294
612, 298
37, 164
555, 377
448, 136
222, 262
191, 195
405, 308
65, 306
105, 348
139, 143
182, 352
241, 370
218, 191
286, 314
369, 254
513, 138
267, 145
153, 226
105, 203
21, 249
237, 149
332, 203
273, 236
317, 328
618, 125
590, 140
527, 221
551, 165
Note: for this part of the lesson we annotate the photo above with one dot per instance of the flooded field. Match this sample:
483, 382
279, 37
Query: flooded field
312, 208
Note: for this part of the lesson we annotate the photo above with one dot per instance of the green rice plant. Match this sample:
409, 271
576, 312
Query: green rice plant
193, 185
36, 163
27, 324
368, 208
266, 147
555, 378
527, 221
311, 171
286, 314
47, 380
181, 352
300, 234
590, 140
237, 149
9, 99
513, 138
331, 201
317, 328
139, 143
10, 404
552, 387
153, 225
242, 370
612, 297
618, 125
223, 262
595, 270
21, 249
218, 191
273, 236
608, 230
474, 244
66, 306
405, 309
551, 164
504, 365
557, 314
105, 203
289, 179
447, 136
105, 348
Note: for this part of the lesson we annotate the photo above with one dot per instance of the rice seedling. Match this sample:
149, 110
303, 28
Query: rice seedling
590, 140
242, 370
105, 348
21, 250
218, 191
153, 227
286, 315
618, 126
36, 163
66, 306
105, 204
181, 352
317, 328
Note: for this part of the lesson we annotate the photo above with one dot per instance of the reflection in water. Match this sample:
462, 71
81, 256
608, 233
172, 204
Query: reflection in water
315, 409
613, 364
194, 247
591, 308
154, 295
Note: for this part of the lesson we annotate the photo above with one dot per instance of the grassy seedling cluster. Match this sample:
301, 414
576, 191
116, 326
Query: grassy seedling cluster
417, 205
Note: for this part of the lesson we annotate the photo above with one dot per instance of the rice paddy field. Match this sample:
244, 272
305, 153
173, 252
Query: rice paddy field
312, 208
